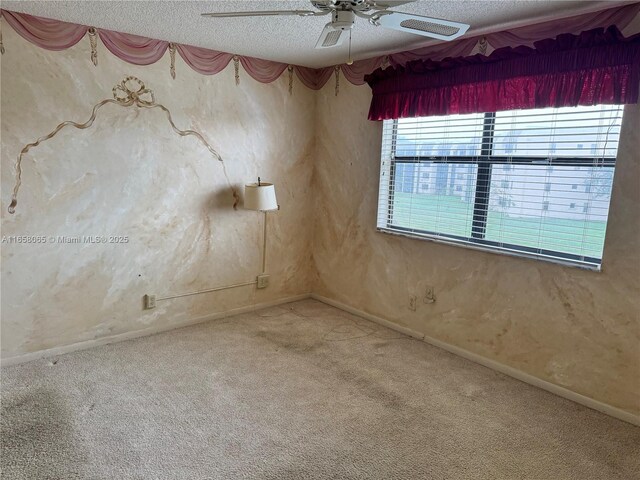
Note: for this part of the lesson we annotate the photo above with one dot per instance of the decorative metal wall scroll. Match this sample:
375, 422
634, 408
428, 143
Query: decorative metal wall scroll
128, 93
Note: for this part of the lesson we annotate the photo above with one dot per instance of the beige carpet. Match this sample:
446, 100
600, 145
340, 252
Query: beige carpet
303, 391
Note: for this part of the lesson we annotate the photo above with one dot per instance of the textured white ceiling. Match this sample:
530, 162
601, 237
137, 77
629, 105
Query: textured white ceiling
290, 39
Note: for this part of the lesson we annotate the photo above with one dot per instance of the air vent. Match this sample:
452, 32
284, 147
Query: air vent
332, 38
429, 27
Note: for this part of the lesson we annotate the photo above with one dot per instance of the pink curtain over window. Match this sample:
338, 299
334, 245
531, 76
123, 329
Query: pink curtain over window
45, 33
595, 67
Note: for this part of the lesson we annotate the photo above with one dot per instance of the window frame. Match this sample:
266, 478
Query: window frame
485, 162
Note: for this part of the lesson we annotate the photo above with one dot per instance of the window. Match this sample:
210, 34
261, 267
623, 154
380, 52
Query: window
505, 181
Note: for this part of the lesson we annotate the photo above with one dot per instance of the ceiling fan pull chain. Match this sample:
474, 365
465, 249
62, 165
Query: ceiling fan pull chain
336, 71
290, 69
172, 56
236, 67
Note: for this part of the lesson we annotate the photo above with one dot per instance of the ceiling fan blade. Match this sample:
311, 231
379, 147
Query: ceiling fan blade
425, 26
265, 13
378, 5
330, 37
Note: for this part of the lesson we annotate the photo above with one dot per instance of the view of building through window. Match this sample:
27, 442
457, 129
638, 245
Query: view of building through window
538, 181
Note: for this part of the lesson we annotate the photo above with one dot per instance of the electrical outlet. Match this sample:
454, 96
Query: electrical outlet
263, 281
149, 302
429, 295
413, 303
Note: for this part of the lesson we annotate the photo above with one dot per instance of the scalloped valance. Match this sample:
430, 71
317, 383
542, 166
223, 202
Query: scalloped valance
595, 67
57, 35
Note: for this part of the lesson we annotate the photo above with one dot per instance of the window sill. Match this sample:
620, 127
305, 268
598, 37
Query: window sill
498, 251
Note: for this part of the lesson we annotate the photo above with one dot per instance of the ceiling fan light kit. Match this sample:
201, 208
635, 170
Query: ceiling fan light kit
377, 13
332, 34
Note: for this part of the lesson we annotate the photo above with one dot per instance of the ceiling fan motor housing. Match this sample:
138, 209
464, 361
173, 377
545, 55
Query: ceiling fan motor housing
343, 19
341, 4
377, 12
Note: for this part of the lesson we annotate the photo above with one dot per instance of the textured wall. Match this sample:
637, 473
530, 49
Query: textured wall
130, 175
575, 328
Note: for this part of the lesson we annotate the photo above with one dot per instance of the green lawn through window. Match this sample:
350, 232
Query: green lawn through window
451, 215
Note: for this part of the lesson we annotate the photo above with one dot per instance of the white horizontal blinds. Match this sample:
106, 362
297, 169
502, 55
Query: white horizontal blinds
563, 206
419, 189
533, 181
584, 132
384, 192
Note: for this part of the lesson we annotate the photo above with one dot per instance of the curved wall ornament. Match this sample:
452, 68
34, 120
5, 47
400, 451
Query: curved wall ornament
130, 92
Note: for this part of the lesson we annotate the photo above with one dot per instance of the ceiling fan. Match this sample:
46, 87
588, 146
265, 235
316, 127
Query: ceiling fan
344, 12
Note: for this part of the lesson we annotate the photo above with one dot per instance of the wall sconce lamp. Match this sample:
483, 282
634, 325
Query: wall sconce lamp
261, 196
257, 196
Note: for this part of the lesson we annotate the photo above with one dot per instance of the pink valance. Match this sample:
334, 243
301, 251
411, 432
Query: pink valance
133, 48
57, 35
263, 71
202, 60
595, 67
45, 33
620, 16
314, 78
355, 72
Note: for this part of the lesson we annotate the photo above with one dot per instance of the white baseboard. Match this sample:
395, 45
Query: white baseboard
52, 352
494, 365
474, 357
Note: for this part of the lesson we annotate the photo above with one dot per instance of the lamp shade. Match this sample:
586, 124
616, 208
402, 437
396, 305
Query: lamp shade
260, 196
